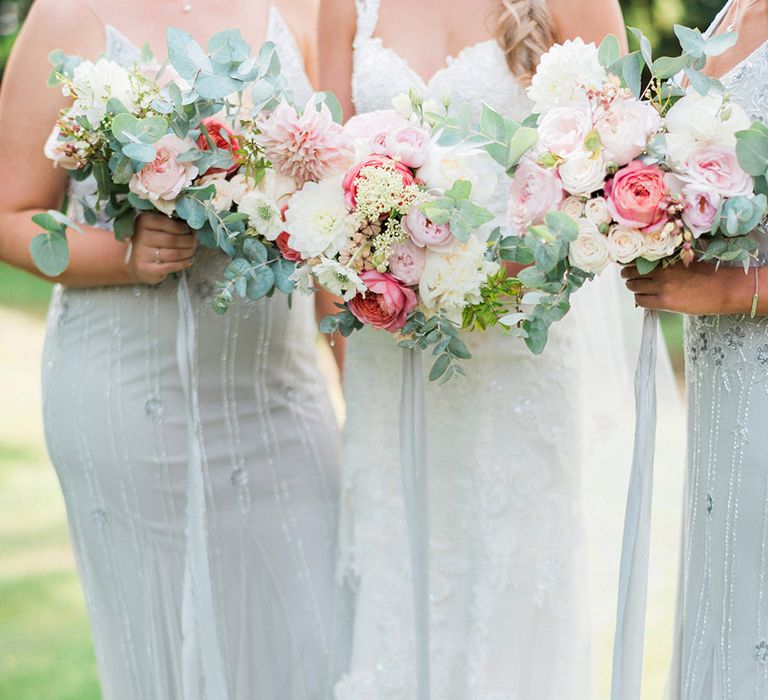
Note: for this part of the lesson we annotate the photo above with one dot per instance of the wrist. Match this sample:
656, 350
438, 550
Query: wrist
738, 294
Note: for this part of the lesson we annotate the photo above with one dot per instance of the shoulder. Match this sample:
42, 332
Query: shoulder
340, 15
301, 18
591, 20
68, 25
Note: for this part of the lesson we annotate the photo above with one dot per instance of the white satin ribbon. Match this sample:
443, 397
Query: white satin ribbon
202, 657
633, 574
413, 464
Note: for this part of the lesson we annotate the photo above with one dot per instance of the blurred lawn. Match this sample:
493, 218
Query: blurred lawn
45, 649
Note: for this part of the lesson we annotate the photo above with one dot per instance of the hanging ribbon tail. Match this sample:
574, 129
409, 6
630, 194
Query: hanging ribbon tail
202, 657
633, 574
414, 473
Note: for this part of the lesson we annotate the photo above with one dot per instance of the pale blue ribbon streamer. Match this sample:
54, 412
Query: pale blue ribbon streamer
413, 464
633, 574
203, 659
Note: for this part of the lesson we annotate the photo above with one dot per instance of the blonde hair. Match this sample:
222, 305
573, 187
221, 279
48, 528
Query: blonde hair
525, 30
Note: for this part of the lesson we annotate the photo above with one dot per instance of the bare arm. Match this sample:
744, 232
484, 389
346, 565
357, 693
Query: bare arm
592, 20
336, 34
28, 111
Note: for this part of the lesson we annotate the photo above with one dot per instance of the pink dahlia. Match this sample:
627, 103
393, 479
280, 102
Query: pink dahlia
307, 147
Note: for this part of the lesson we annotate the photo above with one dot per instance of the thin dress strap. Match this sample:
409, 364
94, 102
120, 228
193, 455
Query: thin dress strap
89, 4
367, 19
718, 19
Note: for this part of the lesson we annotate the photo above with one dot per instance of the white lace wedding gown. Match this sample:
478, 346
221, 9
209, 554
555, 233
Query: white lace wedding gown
509, 606
115, 421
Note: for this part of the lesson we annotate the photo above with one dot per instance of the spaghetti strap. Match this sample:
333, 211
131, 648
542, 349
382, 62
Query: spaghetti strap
367, 19
89, 4
718, 19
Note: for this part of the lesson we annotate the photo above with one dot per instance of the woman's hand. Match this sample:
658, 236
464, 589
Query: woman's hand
701, 289
161, 246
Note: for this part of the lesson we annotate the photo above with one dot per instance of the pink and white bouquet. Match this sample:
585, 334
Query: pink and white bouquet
651, 177
402, 236
210, 139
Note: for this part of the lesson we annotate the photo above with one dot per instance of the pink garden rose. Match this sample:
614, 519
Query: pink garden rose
701, 205
375, 161
162, 180
534, 191
717, 167
366, 127
406, 263
638, 196
425, 233
625, 127
408, 144
386, 304
283, 242
563, 130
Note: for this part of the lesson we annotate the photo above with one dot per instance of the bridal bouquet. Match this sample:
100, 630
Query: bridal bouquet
656, 176
194, 140
402, 237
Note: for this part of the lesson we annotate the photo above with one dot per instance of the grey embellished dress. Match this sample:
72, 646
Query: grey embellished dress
116, 426
722, 643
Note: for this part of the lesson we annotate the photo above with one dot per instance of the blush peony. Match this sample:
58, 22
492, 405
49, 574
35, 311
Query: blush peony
533, 192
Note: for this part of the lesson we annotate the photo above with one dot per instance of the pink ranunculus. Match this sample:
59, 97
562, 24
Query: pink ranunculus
638, 196
386, 304
425, 233
408, 144
162, 180
717, 167
406, 262
625, 127
533, 192
701, 205
375, 161
563, 130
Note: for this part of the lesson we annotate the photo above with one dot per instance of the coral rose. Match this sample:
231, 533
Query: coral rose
386, 304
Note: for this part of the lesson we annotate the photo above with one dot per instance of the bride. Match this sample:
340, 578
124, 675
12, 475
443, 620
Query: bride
509, 614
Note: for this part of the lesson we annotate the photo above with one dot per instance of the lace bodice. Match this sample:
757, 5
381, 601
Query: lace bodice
477, 74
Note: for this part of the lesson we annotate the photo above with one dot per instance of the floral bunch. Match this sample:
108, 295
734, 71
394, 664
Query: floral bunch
211, 139
647, 177
401, 236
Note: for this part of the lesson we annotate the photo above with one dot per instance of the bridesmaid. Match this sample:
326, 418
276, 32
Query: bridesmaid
722, 641
264, 620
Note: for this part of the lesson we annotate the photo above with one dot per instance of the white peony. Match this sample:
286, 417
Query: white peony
573, 207
662, 242
563, 130
222, 200
94, 84
625, 244
596, 211
625, 127
318, 220
447, 164
450, 281
589, 252
338, 279
583, 174
264, 215
563, 74
697, 120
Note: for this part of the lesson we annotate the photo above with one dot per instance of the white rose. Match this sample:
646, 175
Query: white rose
452, 280
447, 164
338, 279
625, 128
222, 200
697, 120
318, 220
563, 74
625, 244
583, 174
563, 130
263, 215
662, 242
596, 211
239, 186
589, 252
573, 207
277, 186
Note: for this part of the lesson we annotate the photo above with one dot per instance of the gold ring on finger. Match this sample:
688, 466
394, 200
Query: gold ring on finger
158, 259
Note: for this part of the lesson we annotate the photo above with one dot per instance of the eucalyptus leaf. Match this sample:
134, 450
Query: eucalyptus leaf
666, 67
610, 51
260, 282
50, 252
141, 152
